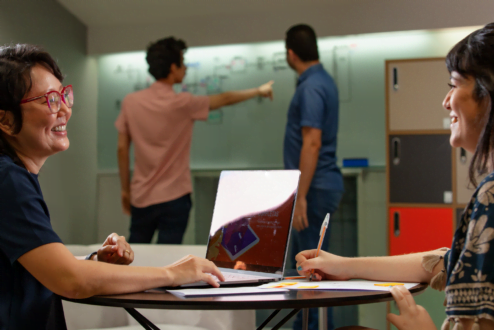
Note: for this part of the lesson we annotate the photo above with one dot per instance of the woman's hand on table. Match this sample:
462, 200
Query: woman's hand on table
192, 269
326, 266
412, 316
116, 250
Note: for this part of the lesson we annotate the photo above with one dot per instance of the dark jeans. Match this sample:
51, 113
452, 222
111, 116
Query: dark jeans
319, 202
170, 218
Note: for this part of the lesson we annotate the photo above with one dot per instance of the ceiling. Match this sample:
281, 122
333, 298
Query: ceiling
100, 13
129, 25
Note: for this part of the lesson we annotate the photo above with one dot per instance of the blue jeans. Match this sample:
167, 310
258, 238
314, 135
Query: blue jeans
319, 203
170, 218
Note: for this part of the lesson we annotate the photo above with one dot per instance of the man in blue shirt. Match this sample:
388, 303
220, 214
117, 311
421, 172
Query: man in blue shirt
310, 146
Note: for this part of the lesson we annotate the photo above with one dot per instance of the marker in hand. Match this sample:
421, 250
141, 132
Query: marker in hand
324, 226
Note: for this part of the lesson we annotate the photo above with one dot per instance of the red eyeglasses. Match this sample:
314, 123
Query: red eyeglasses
54, 99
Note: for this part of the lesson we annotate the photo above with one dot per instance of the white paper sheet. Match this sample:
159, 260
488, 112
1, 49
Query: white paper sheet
333, 285
185, 293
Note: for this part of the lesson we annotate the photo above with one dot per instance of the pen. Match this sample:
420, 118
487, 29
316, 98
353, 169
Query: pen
324, 226
295, 278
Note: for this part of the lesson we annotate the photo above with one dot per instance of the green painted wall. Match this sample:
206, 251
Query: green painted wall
68, 179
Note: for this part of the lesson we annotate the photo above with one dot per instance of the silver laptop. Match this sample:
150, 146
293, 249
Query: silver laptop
250, 229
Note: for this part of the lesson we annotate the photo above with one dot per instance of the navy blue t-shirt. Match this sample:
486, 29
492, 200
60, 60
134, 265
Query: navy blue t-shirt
315, 104
24, 225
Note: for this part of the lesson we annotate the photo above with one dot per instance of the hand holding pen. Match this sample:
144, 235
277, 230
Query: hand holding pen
328, 266
322, 233
323, 265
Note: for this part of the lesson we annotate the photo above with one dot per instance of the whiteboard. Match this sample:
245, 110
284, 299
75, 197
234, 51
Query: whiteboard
250, 134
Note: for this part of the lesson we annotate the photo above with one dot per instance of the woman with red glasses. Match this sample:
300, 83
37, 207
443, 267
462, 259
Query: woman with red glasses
35, 109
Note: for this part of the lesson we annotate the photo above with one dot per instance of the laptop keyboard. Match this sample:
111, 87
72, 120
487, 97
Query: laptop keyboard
230, 277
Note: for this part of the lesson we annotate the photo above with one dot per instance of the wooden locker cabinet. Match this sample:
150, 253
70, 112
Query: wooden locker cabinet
415, 229
415, 92
423, 173
420, 169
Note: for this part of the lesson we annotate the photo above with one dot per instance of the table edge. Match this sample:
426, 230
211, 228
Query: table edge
191, 304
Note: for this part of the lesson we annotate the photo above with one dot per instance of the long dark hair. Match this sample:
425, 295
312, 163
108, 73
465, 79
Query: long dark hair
474, 57
16, 62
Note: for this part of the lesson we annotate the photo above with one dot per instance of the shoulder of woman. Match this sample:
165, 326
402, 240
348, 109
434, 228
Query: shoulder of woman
13, 176
485, 191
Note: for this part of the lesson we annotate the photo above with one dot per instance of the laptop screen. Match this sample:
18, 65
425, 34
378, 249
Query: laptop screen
252, 219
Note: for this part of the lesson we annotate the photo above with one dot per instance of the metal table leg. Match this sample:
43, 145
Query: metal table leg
305, 319
270, 317
279, 324
285, 319
323, 318
146, 324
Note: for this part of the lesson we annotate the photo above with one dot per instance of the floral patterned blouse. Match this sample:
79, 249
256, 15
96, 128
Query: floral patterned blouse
470, 262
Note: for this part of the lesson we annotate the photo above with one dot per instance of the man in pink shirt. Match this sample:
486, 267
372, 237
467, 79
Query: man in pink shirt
159, 122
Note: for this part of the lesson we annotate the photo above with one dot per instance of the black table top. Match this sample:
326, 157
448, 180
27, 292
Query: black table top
156, 299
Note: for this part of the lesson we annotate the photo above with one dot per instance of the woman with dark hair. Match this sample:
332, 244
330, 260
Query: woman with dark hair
466, 271
34, 264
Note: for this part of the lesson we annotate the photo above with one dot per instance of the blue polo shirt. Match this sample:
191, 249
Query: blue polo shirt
315, 104
24, 225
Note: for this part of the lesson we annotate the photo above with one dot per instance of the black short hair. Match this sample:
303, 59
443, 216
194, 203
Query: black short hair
473, 57
162, 54
16, 63
302, 40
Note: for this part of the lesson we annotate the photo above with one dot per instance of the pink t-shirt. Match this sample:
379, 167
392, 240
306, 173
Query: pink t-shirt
159, 122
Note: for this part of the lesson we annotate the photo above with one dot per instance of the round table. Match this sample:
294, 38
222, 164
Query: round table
296, 300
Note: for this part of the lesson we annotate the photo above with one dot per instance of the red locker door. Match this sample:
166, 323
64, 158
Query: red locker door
413, 229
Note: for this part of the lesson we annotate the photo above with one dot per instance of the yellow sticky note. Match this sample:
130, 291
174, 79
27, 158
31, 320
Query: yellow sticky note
388, 284
307, 286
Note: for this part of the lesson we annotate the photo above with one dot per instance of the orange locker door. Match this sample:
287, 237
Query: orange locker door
413, 229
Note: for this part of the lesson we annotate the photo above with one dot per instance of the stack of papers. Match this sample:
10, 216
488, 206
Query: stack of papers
335, 285
184, 293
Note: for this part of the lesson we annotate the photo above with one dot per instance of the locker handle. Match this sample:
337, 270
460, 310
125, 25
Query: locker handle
395, 145
396, 221
463, 156
395, 79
